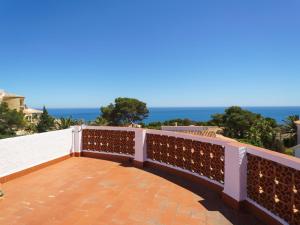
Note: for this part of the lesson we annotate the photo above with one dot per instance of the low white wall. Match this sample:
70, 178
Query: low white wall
20, 153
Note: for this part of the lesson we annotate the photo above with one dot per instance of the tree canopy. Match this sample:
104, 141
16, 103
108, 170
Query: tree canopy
124, 111
46, 122
10, 121
290, 128
263, 133
64, 123
249, 127
242, 125
235, 121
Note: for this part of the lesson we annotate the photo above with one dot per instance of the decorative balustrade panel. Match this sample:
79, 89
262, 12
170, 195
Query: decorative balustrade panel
121, 142
275, 187
205, 159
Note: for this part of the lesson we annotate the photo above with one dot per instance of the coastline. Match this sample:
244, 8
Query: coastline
167, 113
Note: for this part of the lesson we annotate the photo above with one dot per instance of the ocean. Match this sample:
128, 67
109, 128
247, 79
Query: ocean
168, 113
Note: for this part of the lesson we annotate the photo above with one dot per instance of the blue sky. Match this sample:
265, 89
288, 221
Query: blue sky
84, 53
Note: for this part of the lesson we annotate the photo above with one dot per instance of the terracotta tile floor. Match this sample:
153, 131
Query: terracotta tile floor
91, 191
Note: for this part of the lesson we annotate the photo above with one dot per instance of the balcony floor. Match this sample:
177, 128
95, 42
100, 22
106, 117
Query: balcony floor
91, 191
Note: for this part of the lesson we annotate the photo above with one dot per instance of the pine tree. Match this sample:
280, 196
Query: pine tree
46, 122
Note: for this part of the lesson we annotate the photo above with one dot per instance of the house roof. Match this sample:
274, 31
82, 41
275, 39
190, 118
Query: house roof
32, 111
297, 122
4, 94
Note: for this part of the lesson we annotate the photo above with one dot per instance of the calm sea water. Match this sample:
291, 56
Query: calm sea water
193, 113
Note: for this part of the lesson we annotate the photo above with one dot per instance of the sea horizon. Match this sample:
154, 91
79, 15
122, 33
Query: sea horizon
247, 106
201, 113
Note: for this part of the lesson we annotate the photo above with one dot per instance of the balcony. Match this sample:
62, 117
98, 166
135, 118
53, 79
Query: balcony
136, 176
92, 191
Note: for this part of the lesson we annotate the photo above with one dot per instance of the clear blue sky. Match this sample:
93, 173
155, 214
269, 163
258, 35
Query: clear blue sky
165, 52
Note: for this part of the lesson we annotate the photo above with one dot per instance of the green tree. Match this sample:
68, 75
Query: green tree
64, 123
30, 128
217, 120
290, 130
10, 121
154, 125
179, 122
46, 122
124, 111
236, 121
249, 127
289, 124
263, 134
100, 121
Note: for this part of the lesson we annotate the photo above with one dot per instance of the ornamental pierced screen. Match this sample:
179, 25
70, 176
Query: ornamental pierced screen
275, 187
198, 157
121, 142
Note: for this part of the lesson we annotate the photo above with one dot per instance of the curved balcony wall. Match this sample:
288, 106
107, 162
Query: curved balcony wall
200, 158
265, 182
273, 184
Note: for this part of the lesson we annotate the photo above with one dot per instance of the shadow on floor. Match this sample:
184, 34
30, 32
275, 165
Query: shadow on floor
211, 200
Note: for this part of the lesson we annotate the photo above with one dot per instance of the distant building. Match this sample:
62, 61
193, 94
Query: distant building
209, 131
17, 102
14, 102
32, 115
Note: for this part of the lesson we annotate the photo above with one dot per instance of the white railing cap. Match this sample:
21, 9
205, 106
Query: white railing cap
286, 160
112, 128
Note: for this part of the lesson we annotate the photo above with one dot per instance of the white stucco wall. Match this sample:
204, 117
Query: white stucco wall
20, 153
